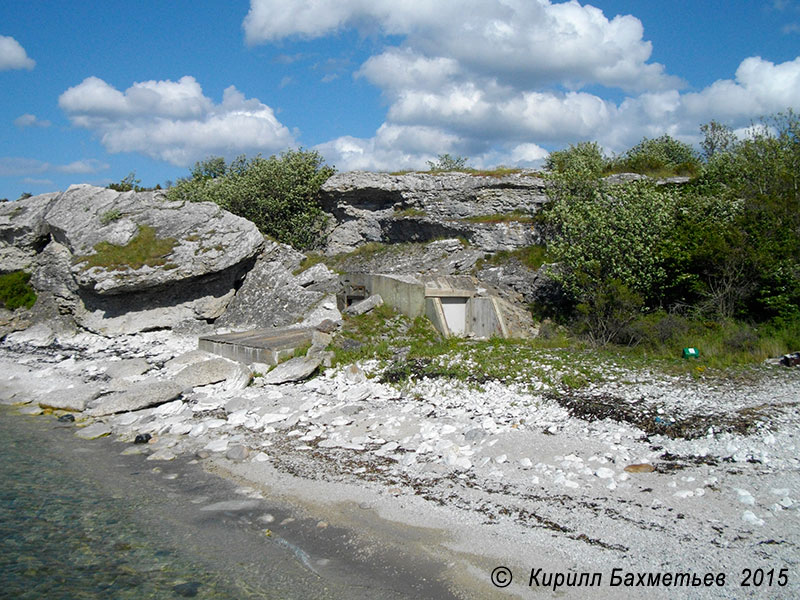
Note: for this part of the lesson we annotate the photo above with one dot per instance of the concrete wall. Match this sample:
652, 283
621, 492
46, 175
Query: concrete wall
402, 292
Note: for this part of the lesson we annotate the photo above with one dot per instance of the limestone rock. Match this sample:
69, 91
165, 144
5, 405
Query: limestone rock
206, 239
93, 431
138, 396
370, 207
23, 231
273, 296
213, 371
75, 398
295, 369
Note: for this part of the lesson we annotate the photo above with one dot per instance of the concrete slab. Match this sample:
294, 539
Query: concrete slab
257, 346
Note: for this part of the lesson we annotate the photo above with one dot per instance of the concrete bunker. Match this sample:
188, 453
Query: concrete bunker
456, 305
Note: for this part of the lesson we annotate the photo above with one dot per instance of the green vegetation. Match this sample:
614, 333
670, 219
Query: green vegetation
713, 263
129, 183
511, 217
278, 194
532, 257
110, 216
144, 249
409, 212
15, 290
446, 162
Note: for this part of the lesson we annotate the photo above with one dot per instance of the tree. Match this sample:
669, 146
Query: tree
445, 162
661, 156
585, 159
278, 194
717, 139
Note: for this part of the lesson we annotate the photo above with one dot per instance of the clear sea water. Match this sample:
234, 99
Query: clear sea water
78, 520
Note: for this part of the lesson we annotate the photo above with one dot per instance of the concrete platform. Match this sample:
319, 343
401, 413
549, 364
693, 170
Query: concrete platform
259, 345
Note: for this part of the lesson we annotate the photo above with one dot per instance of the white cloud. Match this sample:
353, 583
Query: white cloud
522, 43
15, 166
173, 121
13, 55
500, 79
29, 120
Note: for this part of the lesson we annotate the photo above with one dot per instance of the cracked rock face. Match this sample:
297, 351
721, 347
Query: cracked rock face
203, 252
420, 207
206, 239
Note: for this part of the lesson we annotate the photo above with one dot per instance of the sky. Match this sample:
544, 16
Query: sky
91, 91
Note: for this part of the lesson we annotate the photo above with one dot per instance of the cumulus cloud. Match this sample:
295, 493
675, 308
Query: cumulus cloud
173, 120
29, 120
13, 55
500, 79
506, 126
522, 43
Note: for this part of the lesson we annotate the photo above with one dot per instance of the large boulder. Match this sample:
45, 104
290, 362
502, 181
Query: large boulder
276, 292
114, 231
420, 207
123, 262
23, 231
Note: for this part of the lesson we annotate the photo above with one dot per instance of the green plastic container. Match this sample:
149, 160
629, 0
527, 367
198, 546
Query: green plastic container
691, 353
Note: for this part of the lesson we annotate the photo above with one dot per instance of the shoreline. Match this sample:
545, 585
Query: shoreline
477, 479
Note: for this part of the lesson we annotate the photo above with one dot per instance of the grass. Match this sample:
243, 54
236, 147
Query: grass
401, 350
532, 257
15, 291
145, 249
409, 212
511, 217
497, 172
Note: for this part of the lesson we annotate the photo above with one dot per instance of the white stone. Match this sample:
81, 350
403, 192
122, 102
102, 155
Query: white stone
604, 473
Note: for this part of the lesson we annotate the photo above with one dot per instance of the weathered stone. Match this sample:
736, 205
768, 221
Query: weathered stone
237, 453
93, 431
75, 398
39, 336
295, 369
206, 238
138, 396
214, 371
272, 296
366, 305
369, 207
208, 252
163, 454
123, 369
23, 231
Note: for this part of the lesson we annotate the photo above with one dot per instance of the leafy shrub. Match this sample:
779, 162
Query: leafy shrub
15, 291
110, 216
130, 183
278, 194
445, 162
660, 157
586, 159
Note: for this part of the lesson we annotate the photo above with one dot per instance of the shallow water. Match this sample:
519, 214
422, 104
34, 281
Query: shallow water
63, 536
79, 520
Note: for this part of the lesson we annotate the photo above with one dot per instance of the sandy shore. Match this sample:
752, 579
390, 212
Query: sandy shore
640, 479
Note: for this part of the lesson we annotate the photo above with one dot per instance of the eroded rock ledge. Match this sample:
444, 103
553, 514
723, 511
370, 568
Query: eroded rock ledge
420, 207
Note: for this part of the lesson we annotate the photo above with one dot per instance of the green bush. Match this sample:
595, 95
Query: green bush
15, 291
586, 159
278, 194
445, 162
660, 157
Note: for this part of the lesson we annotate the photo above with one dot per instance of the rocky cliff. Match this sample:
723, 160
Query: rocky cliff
117, 263
421, 207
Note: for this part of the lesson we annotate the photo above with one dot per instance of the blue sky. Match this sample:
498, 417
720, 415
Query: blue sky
94, 90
